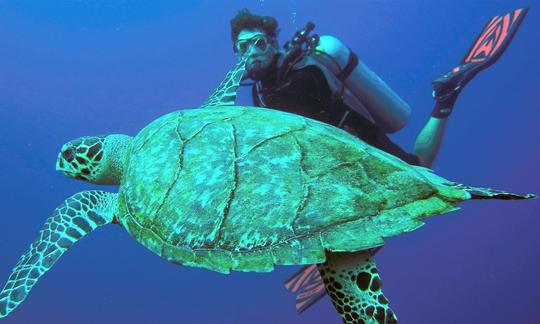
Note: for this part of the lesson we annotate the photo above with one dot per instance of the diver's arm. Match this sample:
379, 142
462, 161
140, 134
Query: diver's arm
387, 109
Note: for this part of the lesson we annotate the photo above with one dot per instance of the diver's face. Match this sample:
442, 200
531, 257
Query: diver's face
261, 52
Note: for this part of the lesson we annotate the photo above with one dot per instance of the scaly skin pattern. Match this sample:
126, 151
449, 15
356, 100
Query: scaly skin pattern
353, 283
225, 93
77, 216
96, 159
245, 188
82, 157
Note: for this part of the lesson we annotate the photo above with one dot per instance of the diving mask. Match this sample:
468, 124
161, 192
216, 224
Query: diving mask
259, 41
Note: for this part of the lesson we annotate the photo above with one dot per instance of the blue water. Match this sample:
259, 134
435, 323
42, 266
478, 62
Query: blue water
73, 68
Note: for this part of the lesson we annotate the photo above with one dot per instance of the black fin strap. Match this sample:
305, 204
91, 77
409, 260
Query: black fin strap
347, 70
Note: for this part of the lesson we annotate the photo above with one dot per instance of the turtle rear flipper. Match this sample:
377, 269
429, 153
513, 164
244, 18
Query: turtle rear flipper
355, 287
77, 216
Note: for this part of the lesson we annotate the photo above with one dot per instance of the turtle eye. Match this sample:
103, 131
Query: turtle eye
68, 155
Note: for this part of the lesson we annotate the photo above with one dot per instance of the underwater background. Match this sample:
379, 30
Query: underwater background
73, 68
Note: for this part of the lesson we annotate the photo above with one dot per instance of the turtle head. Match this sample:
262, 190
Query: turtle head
96, 159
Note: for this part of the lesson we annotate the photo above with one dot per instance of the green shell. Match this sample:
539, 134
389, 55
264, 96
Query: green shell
247, 188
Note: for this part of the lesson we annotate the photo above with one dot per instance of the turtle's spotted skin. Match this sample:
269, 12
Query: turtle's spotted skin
79, 215
82, 156
353, 283
244, 189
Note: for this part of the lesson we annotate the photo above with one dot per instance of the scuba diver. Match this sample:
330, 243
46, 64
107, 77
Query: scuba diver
321, 78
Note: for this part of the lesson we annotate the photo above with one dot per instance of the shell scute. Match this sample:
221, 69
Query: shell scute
266, 196
152, 170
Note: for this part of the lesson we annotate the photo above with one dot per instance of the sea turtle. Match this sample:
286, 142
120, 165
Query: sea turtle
228, 187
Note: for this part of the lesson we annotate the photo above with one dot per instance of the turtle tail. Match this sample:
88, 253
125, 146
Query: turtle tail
454, 191
77, 216
488, 193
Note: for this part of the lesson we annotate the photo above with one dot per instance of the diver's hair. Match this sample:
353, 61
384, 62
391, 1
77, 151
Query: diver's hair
244, 19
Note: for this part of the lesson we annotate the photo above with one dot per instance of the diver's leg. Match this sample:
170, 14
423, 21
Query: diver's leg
485, 51
355, 287
428, 142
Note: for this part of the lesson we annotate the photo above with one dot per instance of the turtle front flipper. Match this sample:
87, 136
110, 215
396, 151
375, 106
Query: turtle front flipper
225, 93
353, 283
77, 216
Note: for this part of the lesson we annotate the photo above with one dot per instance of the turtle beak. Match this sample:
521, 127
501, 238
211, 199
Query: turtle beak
63, 166
67, 169
60, 163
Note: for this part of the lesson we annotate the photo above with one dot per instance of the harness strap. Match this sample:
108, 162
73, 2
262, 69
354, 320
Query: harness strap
347, 70
256, 95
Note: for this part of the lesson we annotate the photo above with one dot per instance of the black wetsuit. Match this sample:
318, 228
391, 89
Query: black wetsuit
306, 92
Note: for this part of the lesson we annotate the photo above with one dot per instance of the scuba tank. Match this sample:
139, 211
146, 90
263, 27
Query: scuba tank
348, 78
